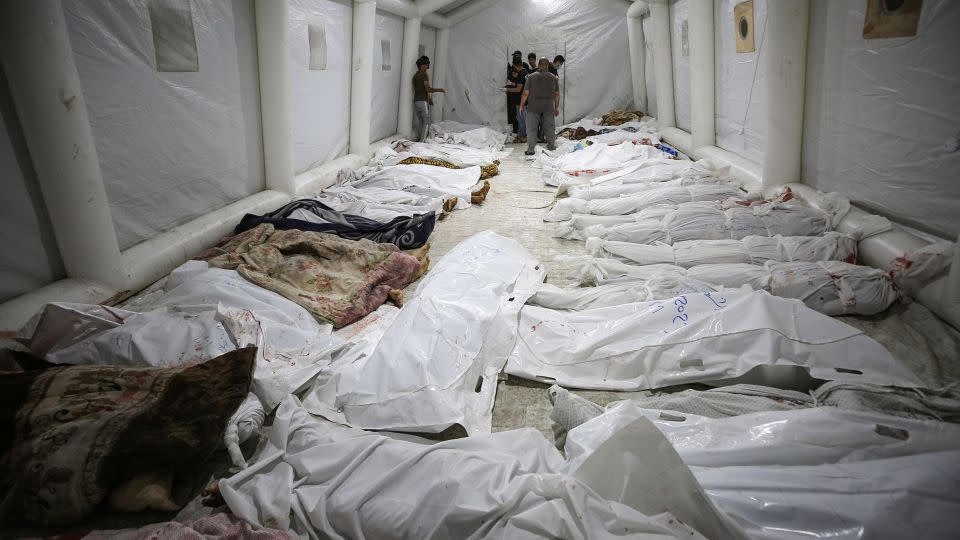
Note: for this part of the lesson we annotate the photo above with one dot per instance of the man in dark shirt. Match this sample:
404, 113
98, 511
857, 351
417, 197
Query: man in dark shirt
542, 93
421, 95
514, 87
513, 98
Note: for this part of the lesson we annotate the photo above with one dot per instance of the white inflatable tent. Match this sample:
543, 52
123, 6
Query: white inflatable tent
136, 133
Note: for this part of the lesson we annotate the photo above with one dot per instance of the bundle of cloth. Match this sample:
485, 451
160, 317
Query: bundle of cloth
462, 187
406, 232
730, 219
616, 117
369, 201
645, 176
338, 280
454, 156
830, 287
696, 337
564, 209
598, 159
799, 473
367, 205
472, 135
832, 246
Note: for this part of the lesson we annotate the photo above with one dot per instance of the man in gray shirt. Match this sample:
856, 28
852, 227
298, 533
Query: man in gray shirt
540, 103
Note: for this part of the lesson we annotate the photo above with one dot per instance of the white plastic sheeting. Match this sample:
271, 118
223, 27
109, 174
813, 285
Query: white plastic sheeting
211, 309
741, 118
472, 135
378, 196
710, 221
383, 212
321, 97
598, 159
698, 337
564, 209
456, 154
591, 34
810, 473
617, 292
386, 83
680, 44
881, 115
172, 146
832, 246
830, 287
437, 364
423, 180
293, 346
321, 480
83, 334
29, 258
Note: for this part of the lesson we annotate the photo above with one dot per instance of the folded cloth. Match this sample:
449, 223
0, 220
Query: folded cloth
407, 232
337, 280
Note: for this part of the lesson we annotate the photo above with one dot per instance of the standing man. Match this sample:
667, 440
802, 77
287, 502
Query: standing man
422, 101
531, 64
542, 93
513, 96
514, 87
557, 63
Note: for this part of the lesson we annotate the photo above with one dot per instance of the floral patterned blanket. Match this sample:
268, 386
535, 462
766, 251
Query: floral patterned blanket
338, 280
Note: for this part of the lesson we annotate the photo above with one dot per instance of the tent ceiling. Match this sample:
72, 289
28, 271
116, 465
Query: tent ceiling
453, 5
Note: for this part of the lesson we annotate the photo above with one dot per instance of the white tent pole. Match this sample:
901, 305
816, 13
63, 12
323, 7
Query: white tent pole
637, 53
46, 90
361, 83
662, 63
440, 71
787, 23
703, 130
275, 109
408, 59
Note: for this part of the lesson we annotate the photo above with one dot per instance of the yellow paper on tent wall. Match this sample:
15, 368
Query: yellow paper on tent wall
743, 26
891, 18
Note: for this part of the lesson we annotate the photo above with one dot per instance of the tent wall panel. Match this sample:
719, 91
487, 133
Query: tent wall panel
386, 82
172, 146
882, 115
591, 34
321, 97
741, 124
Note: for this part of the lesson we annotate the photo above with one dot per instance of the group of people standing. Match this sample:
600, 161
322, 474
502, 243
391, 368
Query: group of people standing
533, 98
